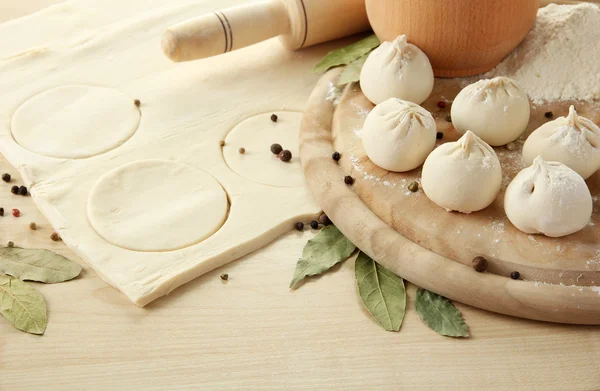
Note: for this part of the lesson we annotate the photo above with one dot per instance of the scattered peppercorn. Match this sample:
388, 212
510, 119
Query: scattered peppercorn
16, 212
55, 236
32, 226
348, 180
274, 118
276, 149
224, 276
336, 156
448, 118
414, 187
1, 211
441, 104
314, 224
23, 190
548, 114
242, 151
6, 177
14, 189
137, 103
323, 219
480, 264
285, 156
515, 275
439, 135
10, 244
222, 143
299, 226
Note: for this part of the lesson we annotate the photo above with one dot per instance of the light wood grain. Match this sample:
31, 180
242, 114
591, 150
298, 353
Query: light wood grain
299, 23
253, 333
460, 37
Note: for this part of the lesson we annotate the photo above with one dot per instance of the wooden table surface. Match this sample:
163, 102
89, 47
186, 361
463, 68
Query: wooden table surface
252, 332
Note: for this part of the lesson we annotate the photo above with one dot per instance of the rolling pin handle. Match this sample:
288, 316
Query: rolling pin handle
223, 31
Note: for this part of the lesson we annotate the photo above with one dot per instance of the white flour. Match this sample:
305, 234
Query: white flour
559, 58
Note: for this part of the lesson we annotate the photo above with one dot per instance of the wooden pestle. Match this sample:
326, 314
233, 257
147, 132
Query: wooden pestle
298, 23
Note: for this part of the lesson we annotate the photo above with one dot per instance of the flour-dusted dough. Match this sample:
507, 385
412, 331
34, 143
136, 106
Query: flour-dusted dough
397, 69
572, 140
75, 121
496, 110
156, 205
398, 135
256, 135
186, 111
548, 198
463, 176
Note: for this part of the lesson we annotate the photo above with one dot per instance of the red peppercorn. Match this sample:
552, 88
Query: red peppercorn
441, 104
16, 212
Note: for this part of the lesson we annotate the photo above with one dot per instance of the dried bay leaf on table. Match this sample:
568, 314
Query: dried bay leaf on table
381, 291
328, 248
440, 315
351, 73
22, 306
348, 54
37, 265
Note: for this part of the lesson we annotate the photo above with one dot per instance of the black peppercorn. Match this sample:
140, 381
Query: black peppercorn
10, 244
224, 276
314, 224
32, 226
274, 118
439, 135
137, 103
414, 187
242, 151
348, 180
299, 226
276, 149
548, 114
480, 264
285, 156
6, 177
515, 275
448, 118
1, 211
323, 219
55, 236
336, 156
14, 189
23, 190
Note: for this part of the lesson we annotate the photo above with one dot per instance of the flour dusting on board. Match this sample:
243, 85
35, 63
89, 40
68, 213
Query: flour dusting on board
334, 95
558, 59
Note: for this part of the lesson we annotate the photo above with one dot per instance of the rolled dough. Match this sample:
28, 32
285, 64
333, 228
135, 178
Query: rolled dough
186, 110
156, 205
75, 121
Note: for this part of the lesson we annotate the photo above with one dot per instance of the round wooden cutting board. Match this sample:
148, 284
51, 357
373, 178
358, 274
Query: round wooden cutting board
432, 248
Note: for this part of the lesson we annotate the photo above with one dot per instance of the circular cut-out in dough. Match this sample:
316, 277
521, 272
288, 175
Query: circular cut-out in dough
258, 163
75, 121
156, 205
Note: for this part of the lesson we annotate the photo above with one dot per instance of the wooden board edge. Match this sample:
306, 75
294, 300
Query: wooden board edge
456, 281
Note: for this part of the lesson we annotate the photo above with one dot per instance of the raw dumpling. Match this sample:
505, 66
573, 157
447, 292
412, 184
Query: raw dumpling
548, 198
464, 176
397, 70
572, 140
398, 135
496, 110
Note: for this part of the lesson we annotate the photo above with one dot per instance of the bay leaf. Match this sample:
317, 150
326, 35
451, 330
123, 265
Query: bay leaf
328, 248
37, 265
22, 305
351, 73
381, 291
347, 54
440, 315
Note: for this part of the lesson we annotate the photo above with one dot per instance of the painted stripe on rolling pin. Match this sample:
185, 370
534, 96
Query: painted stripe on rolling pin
230, 31
224, 32
305, 24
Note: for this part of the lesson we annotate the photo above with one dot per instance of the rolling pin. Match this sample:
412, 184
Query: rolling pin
298, 23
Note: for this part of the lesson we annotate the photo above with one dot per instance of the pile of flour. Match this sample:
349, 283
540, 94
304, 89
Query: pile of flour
560, 57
